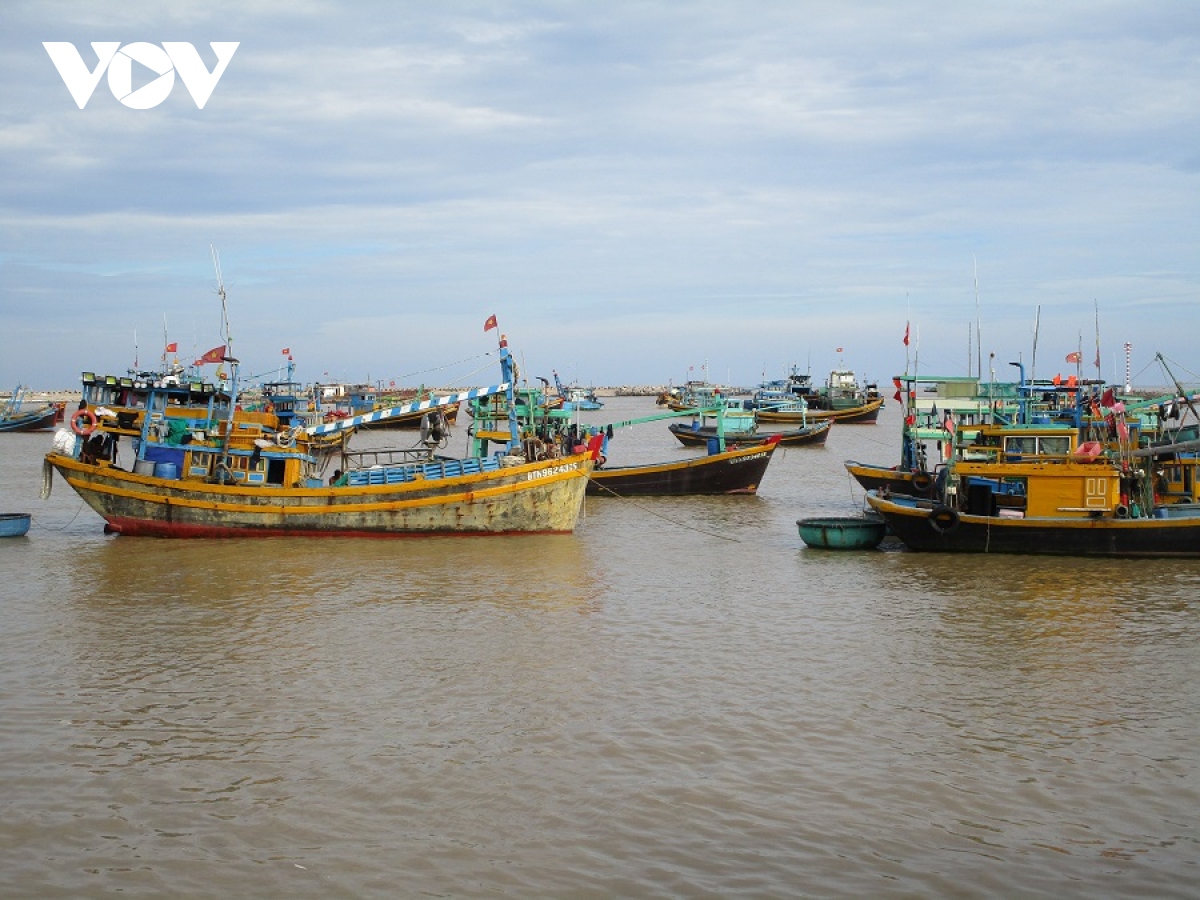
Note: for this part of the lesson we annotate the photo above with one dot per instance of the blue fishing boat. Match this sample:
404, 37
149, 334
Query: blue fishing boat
575, 397
14, 417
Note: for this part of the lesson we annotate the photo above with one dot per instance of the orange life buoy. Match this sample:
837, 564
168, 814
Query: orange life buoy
88, 417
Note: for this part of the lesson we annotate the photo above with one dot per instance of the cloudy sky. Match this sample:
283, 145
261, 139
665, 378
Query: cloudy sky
637, 190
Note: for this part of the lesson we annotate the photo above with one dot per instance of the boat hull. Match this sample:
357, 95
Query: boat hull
918, 525
531, 498
896, 481
733, 472
850, 415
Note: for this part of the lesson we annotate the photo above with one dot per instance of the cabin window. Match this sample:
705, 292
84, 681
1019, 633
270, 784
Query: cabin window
1020, 446
1056, 446
199, 464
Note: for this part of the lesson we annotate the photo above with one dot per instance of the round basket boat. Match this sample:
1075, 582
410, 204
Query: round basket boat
834, 533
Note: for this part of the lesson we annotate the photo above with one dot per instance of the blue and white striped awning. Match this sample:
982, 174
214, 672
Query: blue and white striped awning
392, 412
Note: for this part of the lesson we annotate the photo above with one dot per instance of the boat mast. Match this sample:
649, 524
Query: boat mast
233, 363
1179, 387
508, 374
1037, 319
978, 335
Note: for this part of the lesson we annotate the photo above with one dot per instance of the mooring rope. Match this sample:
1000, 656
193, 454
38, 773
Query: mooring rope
659, 515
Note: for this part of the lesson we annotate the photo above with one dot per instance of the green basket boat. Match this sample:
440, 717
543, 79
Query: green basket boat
836, 533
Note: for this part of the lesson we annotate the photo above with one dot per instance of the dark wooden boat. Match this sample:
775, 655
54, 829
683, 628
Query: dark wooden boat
862, 414
813, 434
14, 418
913, 482
35, 420
925, 525
733, 471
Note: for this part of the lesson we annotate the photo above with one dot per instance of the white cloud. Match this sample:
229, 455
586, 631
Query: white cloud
662, 182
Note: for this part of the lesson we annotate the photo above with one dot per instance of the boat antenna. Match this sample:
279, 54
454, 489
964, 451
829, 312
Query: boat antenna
978, 336
1037, 318
992, 386
229, 358
224, 304
1097, 302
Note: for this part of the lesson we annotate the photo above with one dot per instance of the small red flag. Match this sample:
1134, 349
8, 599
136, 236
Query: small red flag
839, 349
905, 334
287, 351
215, 355
490, 323
1074, 357
172, 347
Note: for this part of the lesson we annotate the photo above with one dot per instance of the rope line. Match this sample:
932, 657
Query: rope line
665, 518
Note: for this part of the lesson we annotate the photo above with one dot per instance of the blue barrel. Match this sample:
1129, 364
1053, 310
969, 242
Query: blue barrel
166, 470
714, 446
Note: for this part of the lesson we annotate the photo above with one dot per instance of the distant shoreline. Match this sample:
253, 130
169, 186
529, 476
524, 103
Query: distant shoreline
36, 397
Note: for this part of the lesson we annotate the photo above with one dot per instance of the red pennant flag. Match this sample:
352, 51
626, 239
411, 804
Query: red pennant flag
215, 355
905, 334
490, 323
1074, 357
172, 347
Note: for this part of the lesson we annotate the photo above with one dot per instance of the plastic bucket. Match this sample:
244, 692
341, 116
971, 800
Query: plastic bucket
143, 467
166, 470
